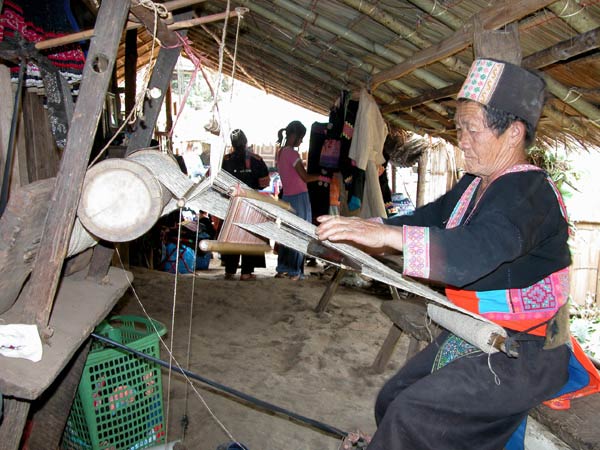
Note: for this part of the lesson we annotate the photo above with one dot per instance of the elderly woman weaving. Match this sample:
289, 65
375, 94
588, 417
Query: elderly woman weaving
498, 240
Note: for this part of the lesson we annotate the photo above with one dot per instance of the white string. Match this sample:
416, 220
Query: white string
164, 345
172, 328
489, 362
191, 315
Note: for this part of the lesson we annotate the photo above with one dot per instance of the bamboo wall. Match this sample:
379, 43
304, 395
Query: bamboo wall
585, 249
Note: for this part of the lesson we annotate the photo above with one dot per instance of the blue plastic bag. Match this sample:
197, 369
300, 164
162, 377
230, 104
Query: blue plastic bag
186, 260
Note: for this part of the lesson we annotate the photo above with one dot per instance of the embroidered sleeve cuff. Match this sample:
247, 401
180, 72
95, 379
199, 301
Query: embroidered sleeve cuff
417, 262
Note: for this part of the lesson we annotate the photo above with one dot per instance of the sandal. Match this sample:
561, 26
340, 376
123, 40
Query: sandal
281, 275
247, 277
229, 276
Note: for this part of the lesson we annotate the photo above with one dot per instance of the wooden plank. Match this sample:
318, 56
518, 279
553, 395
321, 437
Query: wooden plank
51, 414
13, 422
577, 427
21, 227
80, 305
161, 80
42, 154
494, 17
97, 72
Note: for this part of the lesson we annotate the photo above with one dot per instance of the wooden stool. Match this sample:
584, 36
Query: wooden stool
408, 316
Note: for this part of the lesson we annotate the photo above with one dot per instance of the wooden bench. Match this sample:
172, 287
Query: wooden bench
409, 317
578, 426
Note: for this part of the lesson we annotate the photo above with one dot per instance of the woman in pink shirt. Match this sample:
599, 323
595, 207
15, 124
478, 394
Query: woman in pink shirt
290, 263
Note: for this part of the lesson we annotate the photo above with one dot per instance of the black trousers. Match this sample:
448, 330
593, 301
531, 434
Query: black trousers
463, 406
249, 263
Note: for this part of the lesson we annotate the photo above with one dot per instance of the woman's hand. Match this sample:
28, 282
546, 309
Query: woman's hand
372, 235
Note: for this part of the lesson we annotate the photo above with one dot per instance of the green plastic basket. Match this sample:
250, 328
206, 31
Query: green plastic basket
119, 405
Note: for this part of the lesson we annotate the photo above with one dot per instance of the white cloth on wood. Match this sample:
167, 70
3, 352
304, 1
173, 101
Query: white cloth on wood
370, 131
366, 149
372, 203
20, 341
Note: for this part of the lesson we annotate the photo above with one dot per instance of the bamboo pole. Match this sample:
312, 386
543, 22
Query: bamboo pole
88, 34
234, 248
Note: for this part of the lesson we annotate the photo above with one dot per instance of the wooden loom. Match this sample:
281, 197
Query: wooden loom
235, 239
282, 226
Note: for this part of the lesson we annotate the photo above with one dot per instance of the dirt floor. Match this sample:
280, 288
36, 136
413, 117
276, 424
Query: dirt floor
263, 338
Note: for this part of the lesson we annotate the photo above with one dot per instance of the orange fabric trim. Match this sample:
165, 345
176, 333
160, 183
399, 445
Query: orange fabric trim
564, 401
465, 299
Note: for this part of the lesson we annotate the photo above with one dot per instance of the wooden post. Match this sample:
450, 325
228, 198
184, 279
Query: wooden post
131, 56
159, 82
597, 298
500, 44
39, 298
422, 178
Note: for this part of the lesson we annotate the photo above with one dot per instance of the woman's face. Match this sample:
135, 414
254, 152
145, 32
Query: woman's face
484, 151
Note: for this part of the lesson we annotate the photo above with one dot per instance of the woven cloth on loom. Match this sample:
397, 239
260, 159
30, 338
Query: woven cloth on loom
38, 20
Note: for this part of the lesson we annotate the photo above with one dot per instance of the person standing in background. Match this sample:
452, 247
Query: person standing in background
249, 168
294, 177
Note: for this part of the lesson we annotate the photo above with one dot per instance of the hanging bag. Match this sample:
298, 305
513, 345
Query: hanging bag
330, 154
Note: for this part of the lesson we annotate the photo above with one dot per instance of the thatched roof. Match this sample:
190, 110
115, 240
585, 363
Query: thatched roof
413, 55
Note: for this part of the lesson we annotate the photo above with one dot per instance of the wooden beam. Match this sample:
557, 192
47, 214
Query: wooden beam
563, 50
160, 80
435, 94
490, 18
566, 49
39, 298
154, 23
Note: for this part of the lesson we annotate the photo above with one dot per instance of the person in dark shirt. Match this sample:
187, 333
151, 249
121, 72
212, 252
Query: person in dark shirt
249, 168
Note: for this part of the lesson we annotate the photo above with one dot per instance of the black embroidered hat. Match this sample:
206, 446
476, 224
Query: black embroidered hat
506, 87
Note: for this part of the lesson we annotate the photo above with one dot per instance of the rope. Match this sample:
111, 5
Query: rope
176, 279
240, 16
196, 61
577, 97
184, 419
